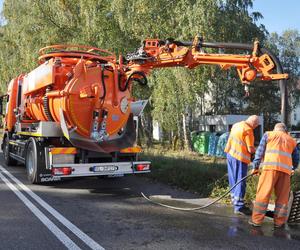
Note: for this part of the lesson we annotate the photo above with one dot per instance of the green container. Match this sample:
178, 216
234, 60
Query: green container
200, 142
194, 136
222, 144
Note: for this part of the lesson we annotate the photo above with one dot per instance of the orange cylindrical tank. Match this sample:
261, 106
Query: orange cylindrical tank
85, 89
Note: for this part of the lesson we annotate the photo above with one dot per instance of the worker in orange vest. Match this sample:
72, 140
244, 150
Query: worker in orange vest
239, 147
278, 157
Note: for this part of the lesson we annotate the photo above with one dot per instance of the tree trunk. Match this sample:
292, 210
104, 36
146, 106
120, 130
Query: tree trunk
179, 132
186, 122
170, 138
175, 141
146, 121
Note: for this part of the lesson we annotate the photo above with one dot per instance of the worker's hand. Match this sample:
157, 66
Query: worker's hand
293, 172
255, 171
251, 150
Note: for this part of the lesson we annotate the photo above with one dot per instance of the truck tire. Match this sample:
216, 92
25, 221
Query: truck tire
8, 160
34, 161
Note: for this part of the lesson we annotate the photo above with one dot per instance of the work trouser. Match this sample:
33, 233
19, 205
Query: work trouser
236, 171
269, 180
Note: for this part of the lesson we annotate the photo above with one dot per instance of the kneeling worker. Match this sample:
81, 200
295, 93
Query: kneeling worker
239, 148
278, 151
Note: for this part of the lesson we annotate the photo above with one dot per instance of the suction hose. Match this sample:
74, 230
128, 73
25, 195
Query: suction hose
197, 208
282, 85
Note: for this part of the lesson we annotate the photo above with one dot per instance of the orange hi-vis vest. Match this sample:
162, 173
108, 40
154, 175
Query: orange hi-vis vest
278, 154
236, 145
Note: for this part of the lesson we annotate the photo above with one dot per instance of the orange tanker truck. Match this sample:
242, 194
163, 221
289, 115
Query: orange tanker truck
74, 115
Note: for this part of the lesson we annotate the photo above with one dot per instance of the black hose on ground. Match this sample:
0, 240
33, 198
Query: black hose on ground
197, 208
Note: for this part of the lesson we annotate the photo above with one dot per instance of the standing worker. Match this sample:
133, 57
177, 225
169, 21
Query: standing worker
239, 148
278, 151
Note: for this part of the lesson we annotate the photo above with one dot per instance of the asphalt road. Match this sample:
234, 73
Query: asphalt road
93, 213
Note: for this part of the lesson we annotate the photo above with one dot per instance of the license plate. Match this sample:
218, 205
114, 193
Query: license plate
104, 168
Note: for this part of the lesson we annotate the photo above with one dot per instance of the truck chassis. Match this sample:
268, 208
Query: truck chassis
48, 156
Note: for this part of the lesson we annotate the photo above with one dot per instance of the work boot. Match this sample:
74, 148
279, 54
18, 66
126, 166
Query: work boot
243, 211
253, 223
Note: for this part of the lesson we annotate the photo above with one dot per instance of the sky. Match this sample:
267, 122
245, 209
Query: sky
279, 15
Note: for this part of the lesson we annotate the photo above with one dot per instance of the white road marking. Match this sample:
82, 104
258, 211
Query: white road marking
74, 229
42, 217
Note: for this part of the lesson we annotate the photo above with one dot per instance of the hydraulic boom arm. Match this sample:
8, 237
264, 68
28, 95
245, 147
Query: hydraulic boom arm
257, 63
157, 54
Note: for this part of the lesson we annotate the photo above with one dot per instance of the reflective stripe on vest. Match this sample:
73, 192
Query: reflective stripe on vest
279, 164
234, 152
238, 141
275, 151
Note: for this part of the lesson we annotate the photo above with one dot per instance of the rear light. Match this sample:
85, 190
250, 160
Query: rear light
62, 171
142, 167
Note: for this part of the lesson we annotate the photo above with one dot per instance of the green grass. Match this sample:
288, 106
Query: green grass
186, 170
204, 175
222, 186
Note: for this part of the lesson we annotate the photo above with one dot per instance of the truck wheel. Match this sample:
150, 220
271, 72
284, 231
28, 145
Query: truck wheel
34, 161
9, 161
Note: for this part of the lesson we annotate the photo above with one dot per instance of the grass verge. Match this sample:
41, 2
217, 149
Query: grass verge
186, 170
